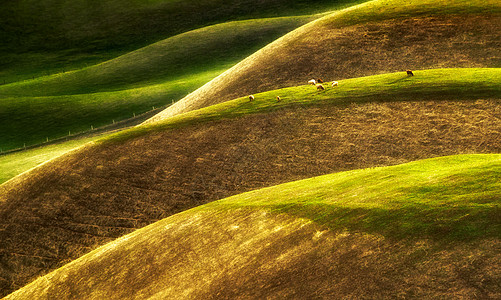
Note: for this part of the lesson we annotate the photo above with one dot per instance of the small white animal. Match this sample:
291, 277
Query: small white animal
278, 99
312, 82
320, 87
334, 83
251, 97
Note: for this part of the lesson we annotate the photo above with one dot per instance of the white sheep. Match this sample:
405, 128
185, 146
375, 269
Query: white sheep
320, 87
312, 82
251, 97
335, 83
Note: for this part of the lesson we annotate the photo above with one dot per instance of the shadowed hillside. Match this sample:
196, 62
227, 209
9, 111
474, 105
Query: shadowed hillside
42, 37
427, 229
372, 38
154, 76
75, 203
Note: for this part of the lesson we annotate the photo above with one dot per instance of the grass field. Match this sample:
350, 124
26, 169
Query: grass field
371, 38
426, 84
45, 37
14, 164
429, 219
154, 76
385, 186
31, 120
443, 83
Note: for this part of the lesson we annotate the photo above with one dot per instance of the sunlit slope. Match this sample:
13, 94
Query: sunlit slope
16, 163
153, 76
426, 229
77, 202
376, 37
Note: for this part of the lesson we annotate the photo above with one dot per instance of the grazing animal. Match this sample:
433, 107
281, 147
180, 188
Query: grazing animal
320, 87
409, 73
335, 83
319, 80
278, 99
251, 97
312, 82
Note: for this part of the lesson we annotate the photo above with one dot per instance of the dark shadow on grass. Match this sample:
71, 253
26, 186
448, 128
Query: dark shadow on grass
415, 221
401, 79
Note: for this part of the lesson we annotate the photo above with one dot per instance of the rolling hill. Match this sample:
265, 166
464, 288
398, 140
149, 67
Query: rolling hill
426, 229
375, 37
51, 106
43, 37
71, 205
434, 221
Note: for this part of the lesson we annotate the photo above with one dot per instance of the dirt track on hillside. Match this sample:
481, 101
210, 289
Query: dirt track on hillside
69, 206
462, 41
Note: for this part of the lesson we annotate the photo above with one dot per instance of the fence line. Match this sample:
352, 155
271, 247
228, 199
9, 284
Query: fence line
134, 121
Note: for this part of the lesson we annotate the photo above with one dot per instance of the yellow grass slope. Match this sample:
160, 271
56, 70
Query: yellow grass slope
238, 248
379, 36
75, 203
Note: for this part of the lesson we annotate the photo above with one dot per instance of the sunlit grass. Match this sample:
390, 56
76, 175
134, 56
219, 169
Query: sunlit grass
377, 10
422, 212
450, 84
456, 197
16, 163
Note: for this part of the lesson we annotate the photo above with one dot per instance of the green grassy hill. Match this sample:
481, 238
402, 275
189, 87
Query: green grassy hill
375, 37
426, 229
443, 235
155, 76
40, 37
73, 204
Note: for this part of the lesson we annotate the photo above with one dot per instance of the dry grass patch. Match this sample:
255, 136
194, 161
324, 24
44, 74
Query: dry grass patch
334, 51
241, 247
70, 206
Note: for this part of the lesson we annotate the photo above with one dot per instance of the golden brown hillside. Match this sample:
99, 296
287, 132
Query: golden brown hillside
225, 251
67, 207
330, 49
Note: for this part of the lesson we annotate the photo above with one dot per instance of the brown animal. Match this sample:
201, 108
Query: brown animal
251, 97
319, 80
409, 73
320, 87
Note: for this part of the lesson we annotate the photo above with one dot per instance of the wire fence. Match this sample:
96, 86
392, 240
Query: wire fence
114, 125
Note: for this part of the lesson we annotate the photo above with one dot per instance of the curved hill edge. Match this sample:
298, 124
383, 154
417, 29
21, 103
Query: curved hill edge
166, 58
376, 10
467, 83
162, 257
439, 84
78, 202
